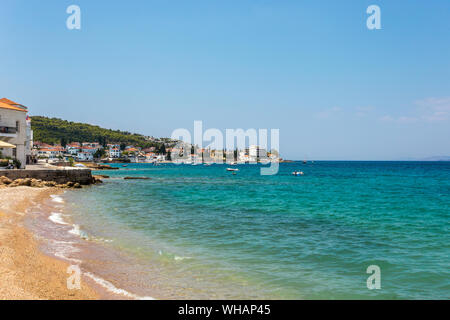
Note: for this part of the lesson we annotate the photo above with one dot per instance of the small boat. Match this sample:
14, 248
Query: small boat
232, 169
298, 173
125, 165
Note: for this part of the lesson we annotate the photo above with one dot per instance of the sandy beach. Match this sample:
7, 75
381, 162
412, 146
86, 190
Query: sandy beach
25, 272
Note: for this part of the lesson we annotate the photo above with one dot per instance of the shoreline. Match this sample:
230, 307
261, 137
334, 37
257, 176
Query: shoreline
26, 273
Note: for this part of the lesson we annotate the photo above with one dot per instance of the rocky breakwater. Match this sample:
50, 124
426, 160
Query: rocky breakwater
38, 183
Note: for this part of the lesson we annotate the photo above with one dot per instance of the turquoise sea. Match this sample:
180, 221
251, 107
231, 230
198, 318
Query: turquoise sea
201, 232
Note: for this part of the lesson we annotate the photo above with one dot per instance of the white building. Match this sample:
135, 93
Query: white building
28, 141
90, 150
15, 129
114, 153
51, 153
85, 156
73, 150
256, 151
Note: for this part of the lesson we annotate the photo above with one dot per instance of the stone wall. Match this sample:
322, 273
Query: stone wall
60, 176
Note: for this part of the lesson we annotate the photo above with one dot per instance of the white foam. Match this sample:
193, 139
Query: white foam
102, 240
57, 199
62, 249
62, 256
57, 218
78, 232
111, 288
177, 258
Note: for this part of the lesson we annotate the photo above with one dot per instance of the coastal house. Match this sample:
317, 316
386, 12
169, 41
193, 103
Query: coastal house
41, 145
256, 152
115, 153
243, 157
50, 153
85, 156
132, 150
73, 148
15, 130
94, 145
89, 149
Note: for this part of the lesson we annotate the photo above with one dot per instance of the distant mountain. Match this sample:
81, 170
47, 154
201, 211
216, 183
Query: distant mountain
436, 158
57, 131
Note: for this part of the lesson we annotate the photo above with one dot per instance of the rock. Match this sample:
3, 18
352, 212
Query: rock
35, 183
136, 178
95, 166
101, 176
23, 182
49, 184
5, 180
77, 186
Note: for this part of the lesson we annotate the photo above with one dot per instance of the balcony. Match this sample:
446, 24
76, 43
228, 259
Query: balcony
8, 132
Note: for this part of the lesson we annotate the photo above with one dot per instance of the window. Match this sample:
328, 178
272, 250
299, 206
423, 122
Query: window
17, 126
14, 152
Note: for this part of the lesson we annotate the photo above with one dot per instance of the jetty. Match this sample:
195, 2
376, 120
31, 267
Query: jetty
45, 172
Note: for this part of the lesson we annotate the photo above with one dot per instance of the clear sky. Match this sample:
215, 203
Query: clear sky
334, 88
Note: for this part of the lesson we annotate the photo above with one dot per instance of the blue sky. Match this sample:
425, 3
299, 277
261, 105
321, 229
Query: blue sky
335, 89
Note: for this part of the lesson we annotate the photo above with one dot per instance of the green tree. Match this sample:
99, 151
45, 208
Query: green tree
100, 153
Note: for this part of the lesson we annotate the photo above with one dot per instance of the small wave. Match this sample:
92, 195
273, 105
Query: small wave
111, 288
62, 249
78, 232
177, 258
102, 240
62, 256
57, 199
57, 218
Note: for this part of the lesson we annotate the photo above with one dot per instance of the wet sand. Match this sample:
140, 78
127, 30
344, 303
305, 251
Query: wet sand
25, 272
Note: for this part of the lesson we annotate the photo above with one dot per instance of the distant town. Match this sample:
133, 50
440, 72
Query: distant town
94, 151
19, 148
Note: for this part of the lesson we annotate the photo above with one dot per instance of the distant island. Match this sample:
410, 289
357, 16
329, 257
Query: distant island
436, 158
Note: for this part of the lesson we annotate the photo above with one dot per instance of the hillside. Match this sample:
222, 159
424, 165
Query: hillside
56, 131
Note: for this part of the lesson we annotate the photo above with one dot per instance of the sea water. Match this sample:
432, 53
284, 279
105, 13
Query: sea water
200, 232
